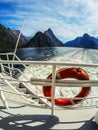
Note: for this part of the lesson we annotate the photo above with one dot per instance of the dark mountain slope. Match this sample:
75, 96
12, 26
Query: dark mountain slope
41, 40
9, 37
86, 41
53, 38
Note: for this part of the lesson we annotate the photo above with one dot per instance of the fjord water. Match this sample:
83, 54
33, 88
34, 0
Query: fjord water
67, 55
64, 54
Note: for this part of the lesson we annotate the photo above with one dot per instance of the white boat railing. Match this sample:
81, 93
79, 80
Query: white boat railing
42, 82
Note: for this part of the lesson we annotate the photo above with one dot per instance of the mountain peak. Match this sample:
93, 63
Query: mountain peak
85, 35
53, 38
46, 39
41, 40
49, 30
38, 33
86, 41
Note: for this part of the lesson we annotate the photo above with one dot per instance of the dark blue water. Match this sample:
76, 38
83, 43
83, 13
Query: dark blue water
40, 54
37, 54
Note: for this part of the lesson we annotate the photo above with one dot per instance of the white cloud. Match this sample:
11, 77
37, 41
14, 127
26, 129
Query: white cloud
67, 18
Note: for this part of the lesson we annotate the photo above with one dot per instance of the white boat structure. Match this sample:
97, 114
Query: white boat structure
28, 108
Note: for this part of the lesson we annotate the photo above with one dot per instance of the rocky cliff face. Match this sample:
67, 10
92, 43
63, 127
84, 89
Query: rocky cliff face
9, 37
42, 40
46, 39
53, 38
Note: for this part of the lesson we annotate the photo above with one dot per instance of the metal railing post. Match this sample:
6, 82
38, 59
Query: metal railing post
9, 67
53, 87
4, 101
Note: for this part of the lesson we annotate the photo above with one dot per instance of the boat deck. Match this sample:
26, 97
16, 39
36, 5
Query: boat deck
29, 118
26, 117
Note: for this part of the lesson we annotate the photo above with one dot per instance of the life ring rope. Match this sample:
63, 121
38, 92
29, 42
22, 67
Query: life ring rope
63, 73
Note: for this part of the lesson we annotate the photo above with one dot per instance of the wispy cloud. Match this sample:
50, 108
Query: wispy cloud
67, 18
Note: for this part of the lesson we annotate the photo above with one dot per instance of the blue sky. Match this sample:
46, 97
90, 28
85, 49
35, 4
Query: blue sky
67, 18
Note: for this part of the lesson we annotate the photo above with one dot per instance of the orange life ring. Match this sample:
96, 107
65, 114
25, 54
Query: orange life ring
62, 73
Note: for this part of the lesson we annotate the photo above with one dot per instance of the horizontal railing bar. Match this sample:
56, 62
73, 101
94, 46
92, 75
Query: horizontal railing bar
65, 83
9, 53
47, 63
57, 81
